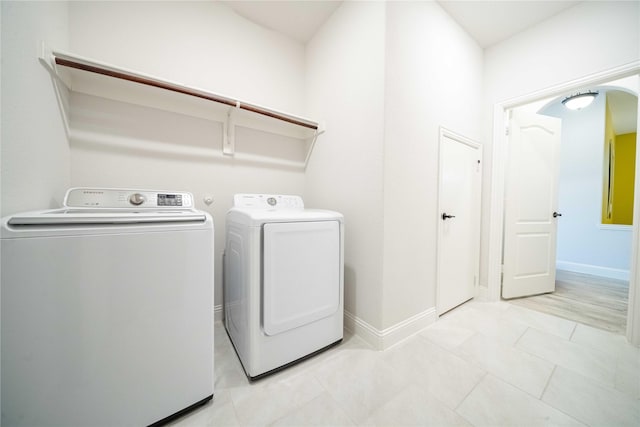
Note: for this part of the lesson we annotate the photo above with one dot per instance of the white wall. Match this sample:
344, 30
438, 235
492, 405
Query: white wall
345, 87
204, 44
385, 77
433, 79
201, 44
35, 154
585, 39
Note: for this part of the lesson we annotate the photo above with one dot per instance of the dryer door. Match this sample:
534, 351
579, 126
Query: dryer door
301, 273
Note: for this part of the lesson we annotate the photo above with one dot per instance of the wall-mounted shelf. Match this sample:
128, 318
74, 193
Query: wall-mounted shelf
97, 78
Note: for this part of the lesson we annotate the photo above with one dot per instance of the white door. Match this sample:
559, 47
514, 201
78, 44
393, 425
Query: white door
531, 203
460, 182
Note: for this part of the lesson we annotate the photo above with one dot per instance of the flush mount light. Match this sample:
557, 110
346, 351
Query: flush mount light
579, 100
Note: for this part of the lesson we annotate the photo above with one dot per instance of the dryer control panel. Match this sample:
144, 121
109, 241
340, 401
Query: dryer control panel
267, 201
122, 198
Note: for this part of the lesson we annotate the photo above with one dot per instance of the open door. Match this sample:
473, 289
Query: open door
531, 205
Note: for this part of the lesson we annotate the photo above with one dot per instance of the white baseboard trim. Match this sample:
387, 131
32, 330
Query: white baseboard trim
217, 313
595, 270
362, 329
382, 340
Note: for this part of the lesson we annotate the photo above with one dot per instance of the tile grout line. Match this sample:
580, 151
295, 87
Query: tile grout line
235, 411
575, 326
469, 393
515, 344
544, 390
551, 405
449, 350
314, 375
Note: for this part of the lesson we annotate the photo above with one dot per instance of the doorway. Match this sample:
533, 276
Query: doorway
593, 252
500, 147
593, 256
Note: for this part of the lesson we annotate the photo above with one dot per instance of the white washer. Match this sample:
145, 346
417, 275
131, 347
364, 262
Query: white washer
107, 310
283, 280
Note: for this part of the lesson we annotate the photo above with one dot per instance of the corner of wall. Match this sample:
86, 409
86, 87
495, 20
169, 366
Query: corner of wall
386, 338
35, 151
345, 88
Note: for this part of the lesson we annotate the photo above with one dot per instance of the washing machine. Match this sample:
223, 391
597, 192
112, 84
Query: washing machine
283, 281
107, 310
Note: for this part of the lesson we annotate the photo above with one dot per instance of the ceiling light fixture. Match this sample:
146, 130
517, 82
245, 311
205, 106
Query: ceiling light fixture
579, 100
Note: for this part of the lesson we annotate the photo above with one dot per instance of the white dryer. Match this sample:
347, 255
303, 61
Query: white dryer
283, 280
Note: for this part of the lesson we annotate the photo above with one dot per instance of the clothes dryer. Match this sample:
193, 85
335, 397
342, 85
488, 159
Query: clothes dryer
283, 280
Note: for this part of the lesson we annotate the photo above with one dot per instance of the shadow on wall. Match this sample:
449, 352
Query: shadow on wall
350, 285
112, 126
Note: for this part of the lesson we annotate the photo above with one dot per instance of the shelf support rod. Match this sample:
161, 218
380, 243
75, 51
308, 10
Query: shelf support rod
229, 131
319, 131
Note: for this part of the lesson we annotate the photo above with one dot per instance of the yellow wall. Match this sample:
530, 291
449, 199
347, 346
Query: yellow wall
624, 177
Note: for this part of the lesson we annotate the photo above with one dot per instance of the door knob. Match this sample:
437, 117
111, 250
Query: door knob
445, 216
556, 214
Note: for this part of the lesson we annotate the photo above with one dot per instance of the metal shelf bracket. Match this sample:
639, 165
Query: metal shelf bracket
229, 131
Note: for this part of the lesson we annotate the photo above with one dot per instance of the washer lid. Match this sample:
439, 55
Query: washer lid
105, 216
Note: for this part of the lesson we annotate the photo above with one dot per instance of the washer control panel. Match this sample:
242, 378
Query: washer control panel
122, 198
267, 201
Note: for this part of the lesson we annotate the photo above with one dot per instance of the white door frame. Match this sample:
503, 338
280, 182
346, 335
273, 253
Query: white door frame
499, 162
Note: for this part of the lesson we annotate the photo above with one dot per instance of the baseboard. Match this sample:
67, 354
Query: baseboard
362, 329
386, 338
595, 270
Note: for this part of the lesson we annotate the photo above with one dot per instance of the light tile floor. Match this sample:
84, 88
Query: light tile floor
483, 364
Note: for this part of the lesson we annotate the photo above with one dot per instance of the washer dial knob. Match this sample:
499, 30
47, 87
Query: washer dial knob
136, 199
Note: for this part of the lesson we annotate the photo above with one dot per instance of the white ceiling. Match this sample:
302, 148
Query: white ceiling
297, 19
622, 104
488, 22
